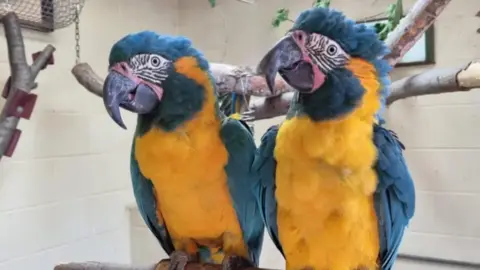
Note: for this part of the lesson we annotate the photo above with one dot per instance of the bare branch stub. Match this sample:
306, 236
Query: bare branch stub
85, 76
19, 101
437, 81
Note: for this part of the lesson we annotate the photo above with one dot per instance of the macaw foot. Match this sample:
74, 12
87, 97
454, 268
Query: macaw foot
179, 259
235, 263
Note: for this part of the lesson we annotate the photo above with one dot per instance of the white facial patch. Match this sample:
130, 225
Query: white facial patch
326, 53
150, 67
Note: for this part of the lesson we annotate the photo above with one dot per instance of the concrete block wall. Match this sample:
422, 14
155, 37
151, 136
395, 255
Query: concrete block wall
63, 194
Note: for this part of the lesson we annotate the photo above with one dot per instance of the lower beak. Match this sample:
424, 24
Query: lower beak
294, 65
120, 90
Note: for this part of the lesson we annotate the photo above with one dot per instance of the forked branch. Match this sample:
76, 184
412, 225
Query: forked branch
19, 101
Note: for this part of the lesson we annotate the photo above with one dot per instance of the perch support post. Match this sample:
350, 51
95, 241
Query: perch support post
17, 90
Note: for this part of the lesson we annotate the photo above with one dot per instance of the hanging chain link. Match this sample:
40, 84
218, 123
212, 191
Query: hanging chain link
77, 34
250, 123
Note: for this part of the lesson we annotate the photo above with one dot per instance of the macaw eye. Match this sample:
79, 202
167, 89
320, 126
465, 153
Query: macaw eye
155, 61
331, 50
151, 67
326, 53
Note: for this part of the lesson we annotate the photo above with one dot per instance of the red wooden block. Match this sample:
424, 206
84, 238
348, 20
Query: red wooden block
24, 100
51, 60
13, 143
6, 88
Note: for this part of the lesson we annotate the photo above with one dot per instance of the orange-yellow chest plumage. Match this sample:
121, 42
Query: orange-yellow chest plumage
325, 184
186, 167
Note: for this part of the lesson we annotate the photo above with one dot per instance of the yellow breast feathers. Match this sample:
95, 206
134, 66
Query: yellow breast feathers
325, 183
186, 167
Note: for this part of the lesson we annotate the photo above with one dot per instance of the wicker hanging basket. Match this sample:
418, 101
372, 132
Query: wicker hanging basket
43, 15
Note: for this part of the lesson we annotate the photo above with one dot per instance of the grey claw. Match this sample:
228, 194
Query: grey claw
179, 260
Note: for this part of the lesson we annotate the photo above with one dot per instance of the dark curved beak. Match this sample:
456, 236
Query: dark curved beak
123, 89
289, 58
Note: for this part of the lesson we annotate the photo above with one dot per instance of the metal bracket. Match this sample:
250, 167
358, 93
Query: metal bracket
21, 105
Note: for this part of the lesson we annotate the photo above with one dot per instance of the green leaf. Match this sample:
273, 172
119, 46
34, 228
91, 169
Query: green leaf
321, 3
280, 17
213, 3
395, 13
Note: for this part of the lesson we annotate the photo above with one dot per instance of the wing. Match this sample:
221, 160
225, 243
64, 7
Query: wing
265, 166
242, 183
395, 194
147, 204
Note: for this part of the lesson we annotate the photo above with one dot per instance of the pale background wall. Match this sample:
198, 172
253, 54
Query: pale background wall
63, 195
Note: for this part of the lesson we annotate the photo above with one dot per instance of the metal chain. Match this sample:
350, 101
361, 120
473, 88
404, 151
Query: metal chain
77, 34
250, 124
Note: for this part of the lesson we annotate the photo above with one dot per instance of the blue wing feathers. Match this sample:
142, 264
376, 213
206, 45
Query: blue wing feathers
265, 167
395, 194
242, 183
147, 204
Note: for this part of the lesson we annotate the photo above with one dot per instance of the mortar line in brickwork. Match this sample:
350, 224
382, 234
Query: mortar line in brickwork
54, 203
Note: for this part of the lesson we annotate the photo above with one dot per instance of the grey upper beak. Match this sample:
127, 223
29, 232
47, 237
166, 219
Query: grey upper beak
120, 90
283, 55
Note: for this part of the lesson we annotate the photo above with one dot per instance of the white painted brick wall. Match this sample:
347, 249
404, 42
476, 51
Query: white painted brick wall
63, 194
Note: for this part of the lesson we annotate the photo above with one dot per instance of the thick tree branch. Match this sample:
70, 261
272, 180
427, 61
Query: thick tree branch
266, 108
411, 28
437, 81
434, 81
20, 102
163, 265
229, 78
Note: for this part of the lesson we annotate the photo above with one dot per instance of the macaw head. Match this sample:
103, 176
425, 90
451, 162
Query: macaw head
161, 78
328, 59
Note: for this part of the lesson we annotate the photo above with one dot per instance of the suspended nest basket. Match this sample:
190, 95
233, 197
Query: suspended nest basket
43, 15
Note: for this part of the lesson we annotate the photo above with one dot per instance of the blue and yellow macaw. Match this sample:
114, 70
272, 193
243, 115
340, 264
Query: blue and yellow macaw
190, 165
336, 192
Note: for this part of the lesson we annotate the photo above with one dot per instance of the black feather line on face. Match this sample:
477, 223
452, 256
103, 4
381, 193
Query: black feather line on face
326, 53
151, 67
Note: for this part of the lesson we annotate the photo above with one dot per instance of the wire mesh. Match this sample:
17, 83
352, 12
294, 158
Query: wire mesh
43, 15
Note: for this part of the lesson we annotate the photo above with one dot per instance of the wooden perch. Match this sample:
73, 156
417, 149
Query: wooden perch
163, 265
437, 81
434, 81
228, 78
101, 266
20, 102
243, 80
